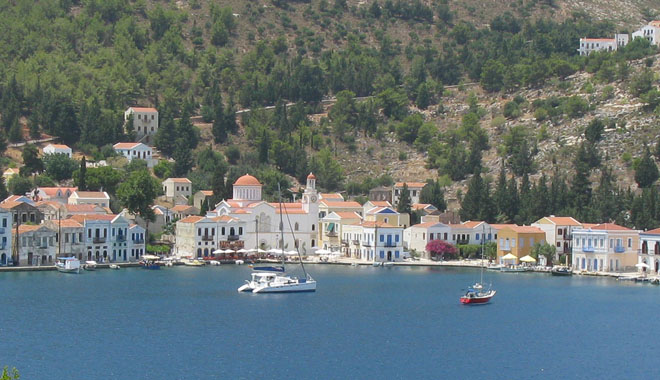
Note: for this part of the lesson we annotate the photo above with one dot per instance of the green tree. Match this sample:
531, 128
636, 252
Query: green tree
95, 179
82, 173
544, 250
59, 166
404, 206
31, 161
163, 169
434, 194
183, 160
137, 193
9, 375
166, 136
19, 185
646, 172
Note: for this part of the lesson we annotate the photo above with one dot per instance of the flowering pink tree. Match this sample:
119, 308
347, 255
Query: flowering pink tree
441, 249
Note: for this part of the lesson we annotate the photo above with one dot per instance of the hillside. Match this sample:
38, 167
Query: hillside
80, 64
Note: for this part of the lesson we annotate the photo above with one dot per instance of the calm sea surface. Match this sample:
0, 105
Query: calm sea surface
362, 323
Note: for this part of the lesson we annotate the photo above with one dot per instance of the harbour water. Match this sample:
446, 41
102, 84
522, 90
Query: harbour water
363, 322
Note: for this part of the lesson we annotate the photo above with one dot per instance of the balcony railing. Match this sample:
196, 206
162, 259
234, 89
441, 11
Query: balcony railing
2, 230
98, 240
207, 238
357, 242
121, 238
233, 237
331, 234
389, 244
619, 249
588, 249
138, 241
344, 244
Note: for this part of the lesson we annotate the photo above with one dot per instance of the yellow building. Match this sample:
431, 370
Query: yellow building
518, 241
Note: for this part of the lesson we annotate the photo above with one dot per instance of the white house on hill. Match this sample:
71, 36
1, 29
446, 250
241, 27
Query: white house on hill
145, 122
57, 149
138, 151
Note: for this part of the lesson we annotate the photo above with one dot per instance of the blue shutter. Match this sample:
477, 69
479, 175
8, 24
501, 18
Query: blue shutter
382, 254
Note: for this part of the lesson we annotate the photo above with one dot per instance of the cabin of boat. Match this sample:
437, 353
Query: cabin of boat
68, 265
276, 282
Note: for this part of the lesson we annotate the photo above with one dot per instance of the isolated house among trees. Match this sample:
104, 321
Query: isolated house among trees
145, 122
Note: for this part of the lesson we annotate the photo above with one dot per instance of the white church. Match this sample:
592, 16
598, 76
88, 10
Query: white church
262, 219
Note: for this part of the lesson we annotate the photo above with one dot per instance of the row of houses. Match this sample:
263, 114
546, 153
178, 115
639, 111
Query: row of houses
651, 32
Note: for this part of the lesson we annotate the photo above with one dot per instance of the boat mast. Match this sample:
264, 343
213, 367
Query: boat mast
483, 239
375, 239
279, 196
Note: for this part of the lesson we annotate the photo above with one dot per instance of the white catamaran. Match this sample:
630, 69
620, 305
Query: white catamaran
273, 279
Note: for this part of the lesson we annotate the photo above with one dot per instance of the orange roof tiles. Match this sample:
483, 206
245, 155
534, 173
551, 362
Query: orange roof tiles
125, 145
208, 193
652, 232
348, 215
341, 204
381, 203
410, 184
372, 224
180, 180
247, 180
331, 196
610, 227
144, 109
82, 217
526, 229
471, 223
224, 218
59, 146
52, 191
563, 220
27, 228
66, 223
182, 208
598, 39
426, 224
80, 208
191, 219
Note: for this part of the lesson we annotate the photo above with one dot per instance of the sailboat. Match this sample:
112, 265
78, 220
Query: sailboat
274, 279
477, 294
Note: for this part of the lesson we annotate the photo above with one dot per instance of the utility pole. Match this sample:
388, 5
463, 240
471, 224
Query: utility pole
375, 240
59, 234
256, 230
15, 252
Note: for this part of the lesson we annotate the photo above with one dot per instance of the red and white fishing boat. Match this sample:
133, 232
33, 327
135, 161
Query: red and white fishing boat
476, 294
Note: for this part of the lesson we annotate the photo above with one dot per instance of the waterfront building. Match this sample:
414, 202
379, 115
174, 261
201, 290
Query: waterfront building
145, 122
471, 232
649, 252
331, 229
605, 247
414, 189
69, 237
136, 242
36, 244
177, 190
518, 240
417, 236
373, 241
262, 218
333, 197
559, 231
58, 149
200, 197
105, 237
135, 150
199, 236
590, 45
51, 209
99, 198
5, 237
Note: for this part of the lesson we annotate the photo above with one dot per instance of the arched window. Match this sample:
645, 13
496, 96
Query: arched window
313, 228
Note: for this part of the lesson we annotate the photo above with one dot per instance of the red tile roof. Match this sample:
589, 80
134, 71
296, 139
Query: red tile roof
52, 191
348, 215
426, 224
183, 180
526, 229
610, 227
341, 204
82, 217
598, 39
471, 223
247, 180
410, 184
563, 220
191, 219
144, 109
126, 145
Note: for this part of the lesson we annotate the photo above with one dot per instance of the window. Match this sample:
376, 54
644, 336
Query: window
560, 232
629, 242
558, 244
531, 242
396, 238
199, 232
513, 243
240, 230
223, 230
382, 237
522, 242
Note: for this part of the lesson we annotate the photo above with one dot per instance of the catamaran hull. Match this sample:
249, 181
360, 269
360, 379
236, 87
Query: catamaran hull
309, 286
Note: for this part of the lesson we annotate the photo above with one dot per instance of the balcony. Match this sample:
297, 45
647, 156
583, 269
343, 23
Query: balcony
619, 249
99, 240
233, 237
390, 244
331, 234
138, 241
344, 244
121, 238
207, 238
588, 249
357, 242
2, 230
506, 249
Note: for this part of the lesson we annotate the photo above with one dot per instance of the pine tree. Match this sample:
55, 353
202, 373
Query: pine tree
3, 189
404, 205
501, 195
647, 171
166, 136
82, 175
264, 147
15, 132
183, 160
471, 202
580, 190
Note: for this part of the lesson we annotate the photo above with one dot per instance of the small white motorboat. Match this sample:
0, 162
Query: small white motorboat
68, 265
388, 264
214, 262
239, 262
90, 265
114, 266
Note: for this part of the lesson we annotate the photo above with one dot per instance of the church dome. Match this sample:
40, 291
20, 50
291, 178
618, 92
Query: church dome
247, 180
311, 176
